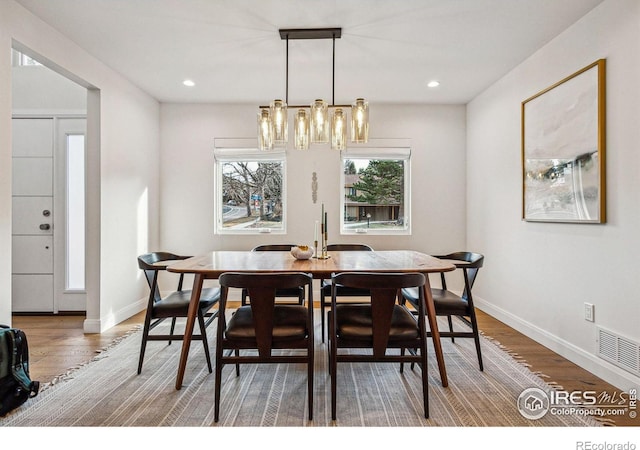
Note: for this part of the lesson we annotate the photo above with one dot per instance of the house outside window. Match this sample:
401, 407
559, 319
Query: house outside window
250, 191
376, 191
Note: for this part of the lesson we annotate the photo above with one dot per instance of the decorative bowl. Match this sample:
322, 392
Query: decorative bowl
302, 252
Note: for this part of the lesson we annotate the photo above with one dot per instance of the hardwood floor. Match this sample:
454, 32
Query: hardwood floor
57, 343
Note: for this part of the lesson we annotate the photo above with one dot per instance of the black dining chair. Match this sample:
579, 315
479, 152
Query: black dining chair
173, 305
286, 293
264, 326
448, 303
325, 285
364, 332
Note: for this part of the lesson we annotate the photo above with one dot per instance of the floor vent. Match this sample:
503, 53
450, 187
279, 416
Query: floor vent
619, 350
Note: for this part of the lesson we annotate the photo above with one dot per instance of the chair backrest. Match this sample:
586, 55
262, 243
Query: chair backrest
349, 247
470, 263
262, 290
273, 248
147, 263
384, 289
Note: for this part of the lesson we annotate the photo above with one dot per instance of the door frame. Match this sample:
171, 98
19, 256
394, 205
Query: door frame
65, 300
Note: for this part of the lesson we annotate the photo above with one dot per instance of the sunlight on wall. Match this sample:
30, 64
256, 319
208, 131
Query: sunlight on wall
142, 241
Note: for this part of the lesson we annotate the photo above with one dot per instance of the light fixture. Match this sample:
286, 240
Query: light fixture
188, 83
313, 123
338, 129
302, 130
433, 83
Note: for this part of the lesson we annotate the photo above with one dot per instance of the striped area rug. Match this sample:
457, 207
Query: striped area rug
108, 392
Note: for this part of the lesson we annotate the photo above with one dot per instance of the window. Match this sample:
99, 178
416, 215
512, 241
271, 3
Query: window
375, 196
250, 191
75, 201
19, 59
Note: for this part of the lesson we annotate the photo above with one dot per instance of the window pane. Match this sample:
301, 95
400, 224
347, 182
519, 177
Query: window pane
75, 279
375, 195
252, 195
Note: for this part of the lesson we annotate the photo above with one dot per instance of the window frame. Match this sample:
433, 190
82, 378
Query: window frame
223, 154
384, 153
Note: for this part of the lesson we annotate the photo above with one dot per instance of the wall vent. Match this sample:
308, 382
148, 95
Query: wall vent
621, 351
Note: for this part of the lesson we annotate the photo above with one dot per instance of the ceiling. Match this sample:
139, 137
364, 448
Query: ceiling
388, 52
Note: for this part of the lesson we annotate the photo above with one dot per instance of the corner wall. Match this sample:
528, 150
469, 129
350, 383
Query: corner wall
537, 276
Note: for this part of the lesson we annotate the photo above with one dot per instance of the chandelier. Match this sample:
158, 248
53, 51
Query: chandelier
318, 122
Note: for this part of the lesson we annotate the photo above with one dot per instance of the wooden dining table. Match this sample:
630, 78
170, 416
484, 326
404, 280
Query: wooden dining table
211, 265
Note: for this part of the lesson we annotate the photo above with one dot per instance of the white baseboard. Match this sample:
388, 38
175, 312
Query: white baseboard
588, 361
111, 320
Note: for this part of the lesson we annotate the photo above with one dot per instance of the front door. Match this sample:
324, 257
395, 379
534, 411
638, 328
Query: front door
43, 193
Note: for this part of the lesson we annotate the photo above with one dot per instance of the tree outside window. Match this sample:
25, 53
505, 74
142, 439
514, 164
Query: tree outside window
250, 192
375, 193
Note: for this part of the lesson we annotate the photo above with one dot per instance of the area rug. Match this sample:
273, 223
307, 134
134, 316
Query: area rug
108, 392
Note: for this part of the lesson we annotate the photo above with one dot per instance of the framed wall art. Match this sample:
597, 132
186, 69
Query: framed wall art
563, 150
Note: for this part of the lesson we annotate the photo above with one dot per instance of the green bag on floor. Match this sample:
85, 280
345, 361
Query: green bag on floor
15, 385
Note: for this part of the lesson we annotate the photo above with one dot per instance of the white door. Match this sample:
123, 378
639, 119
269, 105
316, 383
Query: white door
32, 215
41, 193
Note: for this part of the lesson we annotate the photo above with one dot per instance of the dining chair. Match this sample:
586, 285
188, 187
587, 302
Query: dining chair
448, 303
257, 333
287, 293
325, 285
173, 305
369, 330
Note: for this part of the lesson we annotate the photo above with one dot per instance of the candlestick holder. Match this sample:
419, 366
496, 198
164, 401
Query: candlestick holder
322, 254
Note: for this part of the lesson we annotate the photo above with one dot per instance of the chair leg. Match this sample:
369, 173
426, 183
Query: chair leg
244, 297
402, 363
329, 343
203, 332
237, 352
425, 381
218, 382
476, 338
173, 327
310, 392
145, 337
333, 369
450, 327
143, 347
322, 308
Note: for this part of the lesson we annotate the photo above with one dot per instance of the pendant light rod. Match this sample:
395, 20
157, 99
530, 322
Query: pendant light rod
311, 33
333, 76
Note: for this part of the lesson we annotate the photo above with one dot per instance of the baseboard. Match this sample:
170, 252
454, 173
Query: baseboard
114, 318
588, 361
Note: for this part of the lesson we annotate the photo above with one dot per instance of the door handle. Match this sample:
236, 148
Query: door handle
45, 226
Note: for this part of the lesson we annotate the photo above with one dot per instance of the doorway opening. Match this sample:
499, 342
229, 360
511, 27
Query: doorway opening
49, 191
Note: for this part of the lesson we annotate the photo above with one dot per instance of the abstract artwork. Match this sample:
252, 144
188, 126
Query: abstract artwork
563, 150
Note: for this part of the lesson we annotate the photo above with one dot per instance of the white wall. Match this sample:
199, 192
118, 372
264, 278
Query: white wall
123, 147
37, 89
538, 275
437, 135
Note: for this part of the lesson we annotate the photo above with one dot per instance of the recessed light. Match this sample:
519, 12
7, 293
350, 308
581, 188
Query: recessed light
433, 83
189, 83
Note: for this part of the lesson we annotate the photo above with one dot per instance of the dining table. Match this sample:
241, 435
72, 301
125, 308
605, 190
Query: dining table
213, 264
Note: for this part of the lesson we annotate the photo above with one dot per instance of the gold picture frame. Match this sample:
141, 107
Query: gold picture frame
563, 150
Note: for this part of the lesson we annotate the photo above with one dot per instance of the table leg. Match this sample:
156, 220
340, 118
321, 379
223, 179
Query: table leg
188, 331
435, 332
